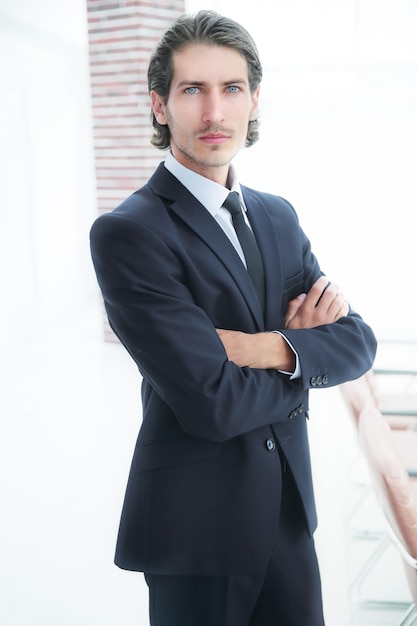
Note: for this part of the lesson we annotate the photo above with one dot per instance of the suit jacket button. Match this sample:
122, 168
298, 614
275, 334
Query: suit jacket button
270, 444
319, 380
325, 379
313, 381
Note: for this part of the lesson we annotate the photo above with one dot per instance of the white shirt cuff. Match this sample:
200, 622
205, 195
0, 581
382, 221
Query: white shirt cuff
297, 371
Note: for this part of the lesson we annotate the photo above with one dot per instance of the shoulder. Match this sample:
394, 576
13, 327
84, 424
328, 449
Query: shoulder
270, 200
124, 219
143, 206
277, 207
143, 223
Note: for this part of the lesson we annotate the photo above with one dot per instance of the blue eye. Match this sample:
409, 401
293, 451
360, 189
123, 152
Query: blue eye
192, 90
233, 89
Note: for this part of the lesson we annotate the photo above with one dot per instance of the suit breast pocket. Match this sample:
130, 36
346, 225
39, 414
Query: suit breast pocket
293, 286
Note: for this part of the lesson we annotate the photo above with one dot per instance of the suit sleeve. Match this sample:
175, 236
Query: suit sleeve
330, 354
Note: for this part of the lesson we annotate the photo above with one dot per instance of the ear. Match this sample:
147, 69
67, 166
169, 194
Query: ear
255, 104
158, 107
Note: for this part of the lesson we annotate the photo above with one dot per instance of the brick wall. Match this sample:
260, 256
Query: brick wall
122, 35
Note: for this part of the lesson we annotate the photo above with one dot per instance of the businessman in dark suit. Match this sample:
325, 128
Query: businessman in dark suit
219, 509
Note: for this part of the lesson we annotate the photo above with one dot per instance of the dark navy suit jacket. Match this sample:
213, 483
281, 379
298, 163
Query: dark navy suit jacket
203, 493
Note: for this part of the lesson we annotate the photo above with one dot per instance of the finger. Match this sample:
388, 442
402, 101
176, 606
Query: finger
293, 306
317, 291
344, 310
323, 292
328, 296
339, 307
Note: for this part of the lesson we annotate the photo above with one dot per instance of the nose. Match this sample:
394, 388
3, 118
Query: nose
213, 108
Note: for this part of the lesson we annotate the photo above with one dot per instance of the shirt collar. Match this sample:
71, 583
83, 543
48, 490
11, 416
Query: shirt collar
210, 194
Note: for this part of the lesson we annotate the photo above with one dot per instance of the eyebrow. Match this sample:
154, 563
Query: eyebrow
201, 83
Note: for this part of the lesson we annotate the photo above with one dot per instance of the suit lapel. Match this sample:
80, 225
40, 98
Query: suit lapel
194, 214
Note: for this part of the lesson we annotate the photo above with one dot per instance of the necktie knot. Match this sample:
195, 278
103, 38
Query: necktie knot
232, 203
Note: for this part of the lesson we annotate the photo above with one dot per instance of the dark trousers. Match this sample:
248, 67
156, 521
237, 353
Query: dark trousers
287, 593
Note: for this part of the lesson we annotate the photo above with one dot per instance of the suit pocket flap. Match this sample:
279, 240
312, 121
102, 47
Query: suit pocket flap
293, 285
176, 451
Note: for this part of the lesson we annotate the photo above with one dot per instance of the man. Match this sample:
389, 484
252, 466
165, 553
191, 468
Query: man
219, 509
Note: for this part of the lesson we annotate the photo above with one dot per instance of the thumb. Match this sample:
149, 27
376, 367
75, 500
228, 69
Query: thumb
293, 307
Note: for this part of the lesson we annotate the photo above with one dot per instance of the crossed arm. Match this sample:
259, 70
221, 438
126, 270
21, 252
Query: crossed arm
323, 304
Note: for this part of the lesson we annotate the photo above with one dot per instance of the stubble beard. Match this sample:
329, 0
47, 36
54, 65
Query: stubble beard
211, 157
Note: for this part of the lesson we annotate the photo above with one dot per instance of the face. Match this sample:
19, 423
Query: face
208, 108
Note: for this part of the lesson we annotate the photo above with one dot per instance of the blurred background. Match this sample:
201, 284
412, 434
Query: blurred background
338, 140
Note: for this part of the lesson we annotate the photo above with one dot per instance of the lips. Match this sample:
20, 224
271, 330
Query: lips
215, 138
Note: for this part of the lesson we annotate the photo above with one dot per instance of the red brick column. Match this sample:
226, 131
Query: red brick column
122, 35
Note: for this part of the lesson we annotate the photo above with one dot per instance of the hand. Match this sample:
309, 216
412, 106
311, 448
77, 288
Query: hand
259, 350
323, 304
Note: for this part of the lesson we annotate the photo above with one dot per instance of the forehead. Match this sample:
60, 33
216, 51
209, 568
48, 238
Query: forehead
209, 63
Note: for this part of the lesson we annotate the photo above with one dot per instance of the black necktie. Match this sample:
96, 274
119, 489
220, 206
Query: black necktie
249, 245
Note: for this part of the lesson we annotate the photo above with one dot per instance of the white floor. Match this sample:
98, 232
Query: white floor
70, 409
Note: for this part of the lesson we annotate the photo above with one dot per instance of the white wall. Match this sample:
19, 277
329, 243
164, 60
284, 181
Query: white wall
46, 164
339, 139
